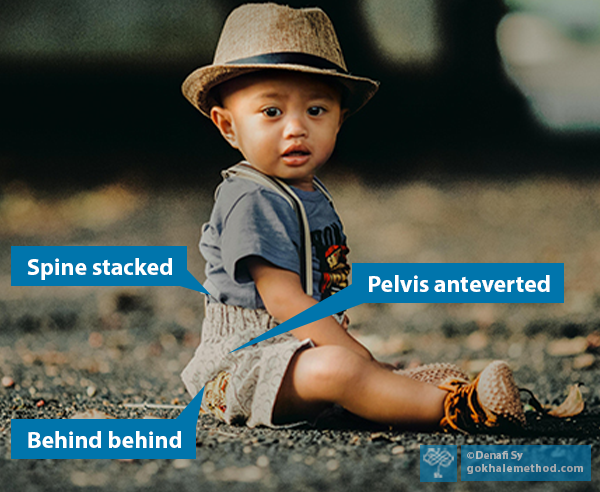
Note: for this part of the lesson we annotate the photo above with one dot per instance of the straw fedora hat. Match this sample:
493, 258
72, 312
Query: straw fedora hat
270, 36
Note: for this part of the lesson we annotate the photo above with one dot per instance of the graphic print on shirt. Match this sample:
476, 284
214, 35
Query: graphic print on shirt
331, 249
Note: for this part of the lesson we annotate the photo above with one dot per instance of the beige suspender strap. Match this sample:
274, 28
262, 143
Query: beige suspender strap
308, 284
321, 187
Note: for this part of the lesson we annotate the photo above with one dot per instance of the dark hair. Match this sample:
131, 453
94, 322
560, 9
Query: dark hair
216, 93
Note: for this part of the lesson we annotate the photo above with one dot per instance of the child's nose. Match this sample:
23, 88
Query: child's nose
295, 127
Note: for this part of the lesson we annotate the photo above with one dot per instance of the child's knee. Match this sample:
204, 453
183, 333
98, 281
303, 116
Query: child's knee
329, 368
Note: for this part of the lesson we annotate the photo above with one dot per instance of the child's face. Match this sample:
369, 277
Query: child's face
284, 123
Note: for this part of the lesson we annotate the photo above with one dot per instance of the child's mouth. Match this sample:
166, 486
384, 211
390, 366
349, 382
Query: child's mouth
295, 153
296, 157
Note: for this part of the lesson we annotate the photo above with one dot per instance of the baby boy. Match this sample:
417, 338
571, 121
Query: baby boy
279, 91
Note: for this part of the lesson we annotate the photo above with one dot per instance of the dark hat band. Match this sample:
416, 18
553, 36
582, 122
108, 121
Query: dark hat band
290, 58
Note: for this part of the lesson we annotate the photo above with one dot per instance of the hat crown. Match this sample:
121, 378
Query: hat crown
259, 29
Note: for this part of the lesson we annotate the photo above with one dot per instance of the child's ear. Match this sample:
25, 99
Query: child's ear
223, 120
343, 116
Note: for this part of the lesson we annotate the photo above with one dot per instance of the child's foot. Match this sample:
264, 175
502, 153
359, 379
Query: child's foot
435, 373
492, 400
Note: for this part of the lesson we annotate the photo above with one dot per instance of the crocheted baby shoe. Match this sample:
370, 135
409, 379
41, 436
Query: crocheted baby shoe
491, 401
435, 373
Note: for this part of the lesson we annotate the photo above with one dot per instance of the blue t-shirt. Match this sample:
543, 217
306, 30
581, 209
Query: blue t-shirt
249, 219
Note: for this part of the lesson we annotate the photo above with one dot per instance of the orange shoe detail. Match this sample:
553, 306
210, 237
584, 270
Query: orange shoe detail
492, 400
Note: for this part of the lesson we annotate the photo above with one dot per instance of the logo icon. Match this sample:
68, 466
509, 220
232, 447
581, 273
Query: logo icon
438, 463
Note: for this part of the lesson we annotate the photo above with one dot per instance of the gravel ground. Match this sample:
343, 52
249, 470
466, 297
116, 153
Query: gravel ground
74, 349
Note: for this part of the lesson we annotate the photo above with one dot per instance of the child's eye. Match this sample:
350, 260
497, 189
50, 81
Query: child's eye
316, 111
272, 112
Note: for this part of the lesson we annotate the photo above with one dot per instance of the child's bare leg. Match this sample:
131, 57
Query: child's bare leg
320, 376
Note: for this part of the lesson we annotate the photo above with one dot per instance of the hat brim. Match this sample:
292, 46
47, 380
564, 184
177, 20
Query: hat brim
197, 86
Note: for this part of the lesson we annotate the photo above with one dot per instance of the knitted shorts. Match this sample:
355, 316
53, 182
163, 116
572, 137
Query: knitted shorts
240, 387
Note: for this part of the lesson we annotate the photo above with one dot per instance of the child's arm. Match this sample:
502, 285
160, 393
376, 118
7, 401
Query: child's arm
283, 296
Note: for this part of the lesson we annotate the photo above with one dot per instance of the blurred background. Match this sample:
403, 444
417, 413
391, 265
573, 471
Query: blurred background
482, 145
91, 89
